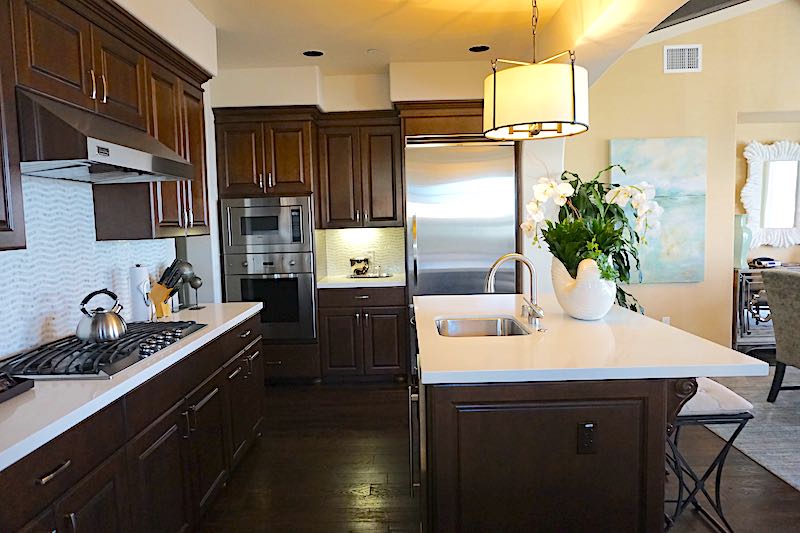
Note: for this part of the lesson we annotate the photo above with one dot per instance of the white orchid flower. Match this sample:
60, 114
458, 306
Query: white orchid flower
619, 195
535, 211
543, 190
527, 227
563, 191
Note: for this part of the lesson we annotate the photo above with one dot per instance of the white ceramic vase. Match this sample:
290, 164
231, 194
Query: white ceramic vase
587, 297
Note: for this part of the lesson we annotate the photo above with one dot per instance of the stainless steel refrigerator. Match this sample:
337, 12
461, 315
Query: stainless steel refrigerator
461, 216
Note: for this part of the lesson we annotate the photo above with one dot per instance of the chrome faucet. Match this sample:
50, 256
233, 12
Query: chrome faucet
530, 309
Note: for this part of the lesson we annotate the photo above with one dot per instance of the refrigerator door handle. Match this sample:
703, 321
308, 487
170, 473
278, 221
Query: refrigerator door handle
414, 244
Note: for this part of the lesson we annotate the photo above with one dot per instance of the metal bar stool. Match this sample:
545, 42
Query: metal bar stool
713, 404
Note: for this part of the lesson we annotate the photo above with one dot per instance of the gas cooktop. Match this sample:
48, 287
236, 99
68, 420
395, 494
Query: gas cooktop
71, 358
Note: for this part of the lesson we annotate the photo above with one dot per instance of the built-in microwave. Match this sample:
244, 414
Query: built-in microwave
266, 225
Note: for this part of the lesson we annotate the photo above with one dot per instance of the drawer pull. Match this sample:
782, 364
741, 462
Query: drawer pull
274, 363
245, 334
185, 415
253, 357
362, 297
202, 403
73, 522
49, 477
235, 373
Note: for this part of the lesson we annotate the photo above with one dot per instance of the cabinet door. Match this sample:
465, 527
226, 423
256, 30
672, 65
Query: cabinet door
121, 83
288, 150
207, 413
381, 176
99, 502
194, 150
341, 341
240, 159
385, 340
236, 393
53, 51
44, 523
254, 361
339, 178
163, 100
158, 463
12, 221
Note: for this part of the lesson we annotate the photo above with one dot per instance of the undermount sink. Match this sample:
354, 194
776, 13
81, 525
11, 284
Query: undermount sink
479, 327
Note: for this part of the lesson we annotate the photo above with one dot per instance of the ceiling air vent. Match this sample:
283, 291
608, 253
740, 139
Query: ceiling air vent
683, 58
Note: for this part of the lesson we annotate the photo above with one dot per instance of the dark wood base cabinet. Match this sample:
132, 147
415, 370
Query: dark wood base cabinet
562, 456
153, 460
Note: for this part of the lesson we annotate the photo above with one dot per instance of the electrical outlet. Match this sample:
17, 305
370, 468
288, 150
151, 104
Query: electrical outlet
666, 320
586, 438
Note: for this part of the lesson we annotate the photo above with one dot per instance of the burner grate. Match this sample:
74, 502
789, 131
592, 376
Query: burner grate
70, 356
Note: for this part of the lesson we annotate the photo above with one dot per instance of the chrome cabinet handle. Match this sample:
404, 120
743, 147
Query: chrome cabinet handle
105, 88
245, 334
202, 403
93, 96
366, 316
412, 399
358, 215
270, 179
185, 415
191, 218
362, 297
261, 180
366, 215
73, 522
44, 480
235, 372
358, 318
253, 357
273, 363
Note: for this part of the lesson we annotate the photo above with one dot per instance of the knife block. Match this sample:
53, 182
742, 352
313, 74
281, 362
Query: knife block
159, 295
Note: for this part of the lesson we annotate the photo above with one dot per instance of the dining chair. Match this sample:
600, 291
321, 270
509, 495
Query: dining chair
783, 291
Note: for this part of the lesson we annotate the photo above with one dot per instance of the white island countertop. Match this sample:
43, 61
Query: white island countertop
623, 345
39, 415
345, 282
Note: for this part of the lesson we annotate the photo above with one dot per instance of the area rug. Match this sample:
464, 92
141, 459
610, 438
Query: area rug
772, 438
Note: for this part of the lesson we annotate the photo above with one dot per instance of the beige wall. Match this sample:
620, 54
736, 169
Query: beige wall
749, 65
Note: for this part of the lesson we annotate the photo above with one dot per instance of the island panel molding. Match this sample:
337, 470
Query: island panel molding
758, 157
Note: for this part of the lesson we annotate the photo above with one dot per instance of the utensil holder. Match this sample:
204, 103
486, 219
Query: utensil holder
160, 295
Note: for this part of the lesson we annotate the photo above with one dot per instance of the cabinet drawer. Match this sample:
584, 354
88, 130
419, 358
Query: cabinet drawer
367, 297
243, 334
288, 361
39, 478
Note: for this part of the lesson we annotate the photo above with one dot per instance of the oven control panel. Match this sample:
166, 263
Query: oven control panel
281, 263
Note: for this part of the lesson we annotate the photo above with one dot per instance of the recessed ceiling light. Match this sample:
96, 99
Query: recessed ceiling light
479, 48
312, 53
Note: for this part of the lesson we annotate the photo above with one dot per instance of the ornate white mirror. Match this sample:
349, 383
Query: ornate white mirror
770, 195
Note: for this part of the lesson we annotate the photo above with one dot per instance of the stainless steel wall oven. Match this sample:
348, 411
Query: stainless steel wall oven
267, 257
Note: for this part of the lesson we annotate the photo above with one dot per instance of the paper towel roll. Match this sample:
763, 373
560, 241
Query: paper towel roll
140, 286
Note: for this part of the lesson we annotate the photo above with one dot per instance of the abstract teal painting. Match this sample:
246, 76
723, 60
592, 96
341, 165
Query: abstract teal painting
676, 166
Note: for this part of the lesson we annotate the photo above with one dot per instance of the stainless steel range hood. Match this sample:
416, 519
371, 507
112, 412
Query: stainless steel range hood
63, 142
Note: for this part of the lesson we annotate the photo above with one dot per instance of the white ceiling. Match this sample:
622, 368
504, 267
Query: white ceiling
272, 33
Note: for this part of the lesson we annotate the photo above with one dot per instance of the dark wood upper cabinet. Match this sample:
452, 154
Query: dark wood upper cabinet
240, 159
288, 150
385, 340
12, 222
381, 168
360, 174
159, 471
163, 99
121, 87
53, 51
194, 150
99, 503
339, 178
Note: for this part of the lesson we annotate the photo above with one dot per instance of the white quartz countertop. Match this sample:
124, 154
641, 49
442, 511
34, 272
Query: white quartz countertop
343, 282
623, 345
37, 416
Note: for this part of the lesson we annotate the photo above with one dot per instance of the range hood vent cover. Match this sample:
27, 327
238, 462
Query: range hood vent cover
64, 142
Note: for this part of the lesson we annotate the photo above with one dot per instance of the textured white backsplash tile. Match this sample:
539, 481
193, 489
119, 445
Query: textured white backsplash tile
342, 244
43, 285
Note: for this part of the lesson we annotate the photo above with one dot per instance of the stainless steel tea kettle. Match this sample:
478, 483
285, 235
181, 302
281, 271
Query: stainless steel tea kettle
101, 324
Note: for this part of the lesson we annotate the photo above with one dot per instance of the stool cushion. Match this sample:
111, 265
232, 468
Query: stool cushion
714, 399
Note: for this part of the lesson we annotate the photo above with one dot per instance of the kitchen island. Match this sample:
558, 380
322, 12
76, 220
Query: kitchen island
556, 430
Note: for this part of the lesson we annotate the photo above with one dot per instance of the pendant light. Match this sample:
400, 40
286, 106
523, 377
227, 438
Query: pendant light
537, 100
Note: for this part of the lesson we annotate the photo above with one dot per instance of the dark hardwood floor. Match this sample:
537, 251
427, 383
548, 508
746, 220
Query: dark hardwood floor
334, 458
